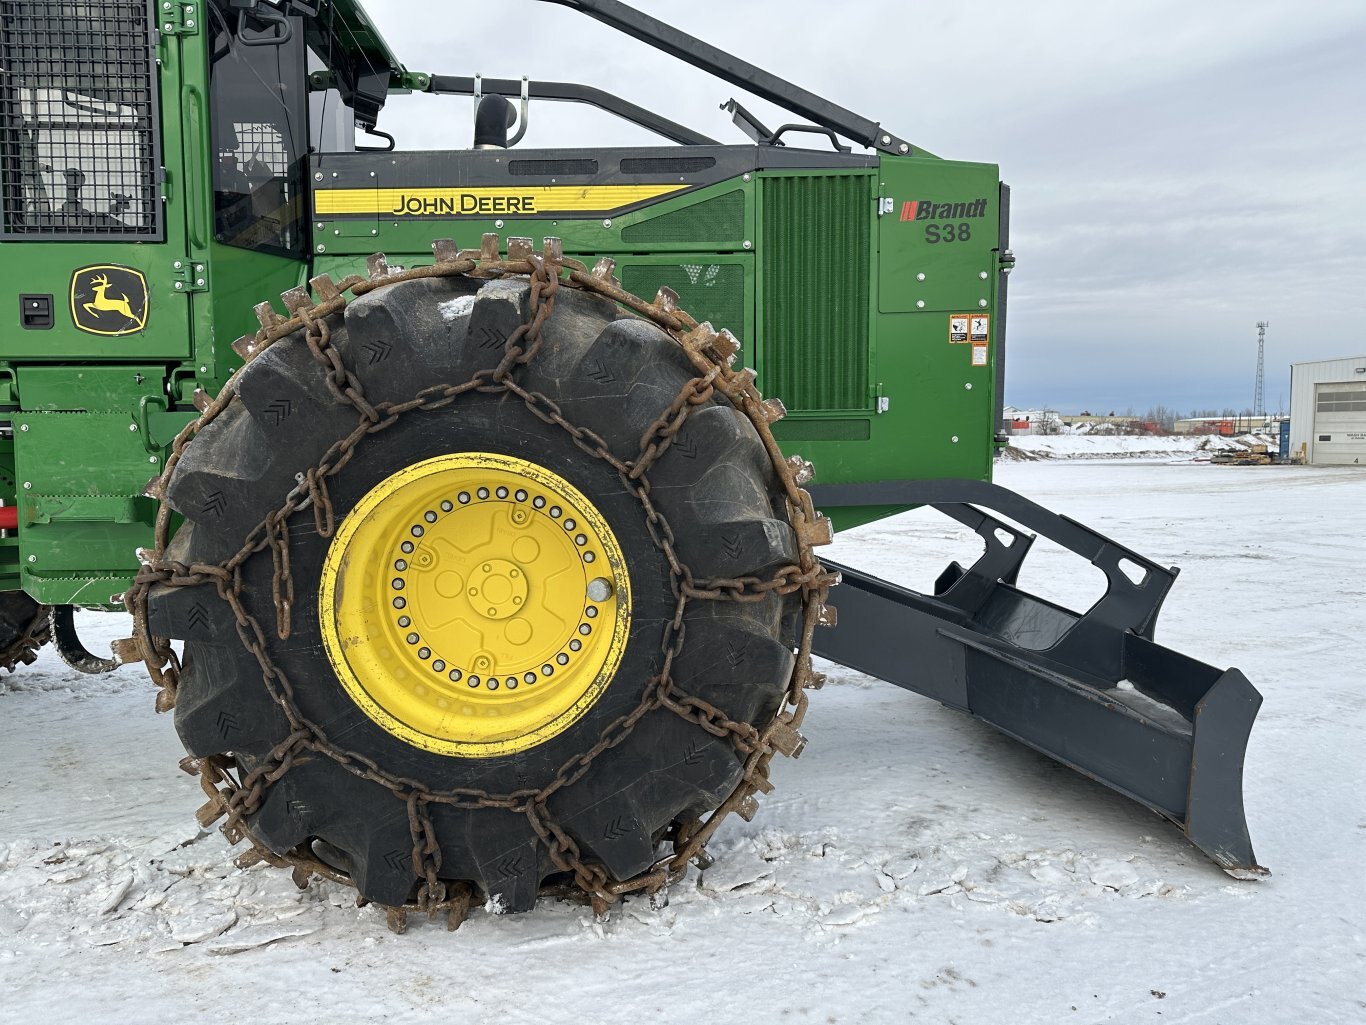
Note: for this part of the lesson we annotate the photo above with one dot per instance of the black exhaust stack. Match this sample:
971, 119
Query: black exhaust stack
492, 121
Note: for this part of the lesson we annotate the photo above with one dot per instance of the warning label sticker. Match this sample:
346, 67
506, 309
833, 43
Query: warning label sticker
958, 328
979, 355
979, 328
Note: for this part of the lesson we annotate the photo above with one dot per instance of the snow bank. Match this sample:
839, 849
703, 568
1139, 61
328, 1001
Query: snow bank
1121, 446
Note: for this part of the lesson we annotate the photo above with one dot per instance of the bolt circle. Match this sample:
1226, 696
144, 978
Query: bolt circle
489, 556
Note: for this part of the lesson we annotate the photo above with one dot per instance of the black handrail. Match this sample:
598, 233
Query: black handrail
460, 85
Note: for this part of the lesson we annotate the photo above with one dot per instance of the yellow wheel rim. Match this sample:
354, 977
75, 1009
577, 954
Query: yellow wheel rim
475, 604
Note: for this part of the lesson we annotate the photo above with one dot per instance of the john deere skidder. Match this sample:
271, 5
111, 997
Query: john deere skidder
490, 576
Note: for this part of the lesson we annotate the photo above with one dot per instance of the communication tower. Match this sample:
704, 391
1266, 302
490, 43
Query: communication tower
1259, 396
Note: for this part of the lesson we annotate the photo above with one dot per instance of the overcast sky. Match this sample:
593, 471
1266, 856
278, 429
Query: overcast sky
1180, 170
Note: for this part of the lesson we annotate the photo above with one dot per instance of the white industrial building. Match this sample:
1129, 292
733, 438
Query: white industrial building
1328, 411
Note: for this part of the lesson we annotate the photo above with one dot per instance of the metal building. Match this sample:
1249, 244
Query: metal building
1328, 411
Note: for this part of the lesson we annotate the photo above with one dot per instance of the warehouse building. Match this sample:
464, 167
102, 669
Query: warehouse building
1228, 426
1328, 412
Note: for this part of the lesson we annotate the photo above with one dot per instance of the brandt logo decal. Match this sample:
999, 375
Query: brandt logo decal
925, 210
109, 300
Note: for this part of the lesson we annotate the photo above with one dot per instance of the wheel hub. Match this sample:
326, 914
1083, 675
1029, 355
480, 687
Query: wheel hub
499, 586
474, 604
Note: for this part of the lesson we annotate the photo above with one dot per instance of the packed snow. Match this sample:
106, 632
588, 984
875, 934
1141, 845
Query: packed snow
454, 309
913, 865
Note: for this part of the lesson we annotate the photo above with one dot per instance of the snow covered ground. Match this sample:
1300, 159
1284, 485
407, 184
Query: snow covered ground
912, 866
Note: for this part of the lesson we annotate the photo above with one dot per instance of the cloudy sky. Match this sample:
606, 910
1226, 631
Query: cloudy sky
1181, 170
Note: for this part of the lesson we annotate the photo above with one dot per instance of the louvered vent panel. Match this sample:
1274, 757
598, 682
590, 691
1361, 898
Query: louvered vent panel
815, 266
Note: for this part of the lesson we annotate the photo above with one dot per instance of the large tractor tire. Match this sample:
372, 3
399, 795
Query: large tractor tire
23, 629
470, 662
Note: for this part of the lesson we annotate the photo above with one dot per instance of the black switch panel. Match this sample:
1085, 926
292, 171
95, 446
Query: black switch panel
35, 312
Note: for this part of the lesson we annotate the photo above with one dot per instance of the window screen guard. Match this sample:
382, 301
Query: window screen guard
79, 141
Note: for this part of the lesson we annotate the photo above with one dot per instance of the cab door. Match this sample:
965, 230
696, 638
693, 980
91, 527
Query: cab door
90, 161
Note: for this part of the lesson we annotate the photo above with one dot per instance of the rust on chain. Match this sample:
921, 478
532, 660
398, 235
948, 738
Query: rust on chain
24, 648
234, 794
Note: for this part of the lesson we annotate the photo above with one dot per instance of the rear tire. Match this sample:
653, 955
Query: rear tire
609, 374
23, 629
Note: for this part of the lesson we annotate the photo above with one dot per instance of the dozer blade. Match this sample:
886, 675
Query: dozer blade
1092, 690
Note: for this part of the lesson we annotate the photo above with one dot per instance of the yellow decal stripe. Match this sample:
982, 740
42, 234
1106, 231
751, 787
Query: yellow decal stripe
483, 202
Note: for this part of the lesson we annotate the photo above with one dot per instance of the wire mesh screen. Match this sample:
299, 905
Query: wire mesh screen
709, 291
78, 141
714, 220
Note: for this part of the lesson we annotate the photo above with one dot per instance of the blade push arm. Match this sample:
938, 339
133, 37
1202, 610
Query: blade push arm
1093, 690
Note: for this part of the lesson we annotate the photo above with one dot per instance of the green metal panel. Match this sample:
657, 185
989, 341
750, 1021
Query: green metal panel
242, 278
709, 290
85, 445
829, 328
816, 253
79, 519
937, 236
88, 389
95, 405
698, 243
940, 405
812, 429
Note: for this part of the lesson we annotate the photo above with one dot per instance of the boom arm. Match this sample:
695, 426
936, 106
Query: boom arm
739, 73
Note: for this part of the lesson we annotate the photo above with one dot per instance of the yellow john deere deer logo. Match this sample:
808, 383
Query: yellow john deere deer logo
109, 300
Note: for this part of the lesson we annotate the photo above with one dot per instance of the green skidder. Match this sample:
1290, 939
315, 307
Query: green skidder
484, 566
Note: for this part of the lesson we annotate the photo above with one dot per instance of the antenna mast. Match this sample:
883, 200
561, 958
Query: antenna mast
1259, 396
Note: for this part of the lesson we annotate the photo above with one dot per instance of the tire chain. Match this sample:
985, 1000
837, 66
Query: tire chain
237, 794
24, 649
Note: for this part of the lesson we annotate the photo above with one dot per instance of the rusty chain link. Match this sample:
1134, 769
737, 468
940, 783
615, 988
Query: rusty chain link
237, 794
32, 636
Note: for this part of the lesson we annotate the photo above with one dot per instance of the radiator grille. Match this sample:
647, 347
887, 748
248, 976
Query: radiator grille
815, 266
78, 120
714, 221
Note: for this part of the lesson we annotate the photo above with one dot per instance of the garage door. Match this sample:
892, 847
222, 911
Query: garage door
1339, 425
